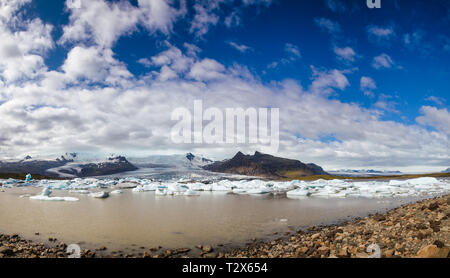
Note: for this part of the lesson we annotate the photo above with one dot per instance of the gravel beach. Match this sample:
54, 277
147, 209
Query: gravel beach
421, 229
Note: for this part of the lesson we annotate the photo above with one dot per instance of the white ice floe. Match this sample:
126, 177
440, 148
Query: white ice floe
161, 191
146, 187
100, 195
293, 189
118, 191
45, 196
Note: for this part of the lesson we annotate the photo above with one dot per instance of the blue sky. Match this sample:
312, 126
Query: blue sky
387, 68
421, 68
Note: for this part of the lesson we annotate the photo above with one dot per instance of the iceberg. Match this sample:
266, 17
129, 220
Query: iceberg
118, 191
100, 195
146, 187
298, 192
190, 192
161, 191
45, 196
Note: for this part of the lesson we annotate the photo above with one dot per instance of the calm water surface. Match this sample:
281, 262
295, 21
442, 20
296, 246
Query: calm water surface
143, 219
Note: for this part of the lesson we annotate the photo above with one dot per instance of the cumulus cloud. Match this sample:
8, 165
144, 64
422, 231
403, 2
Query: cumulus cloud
383, 61
436, 100
345, 53
21, 49
434, 117
328, 25
336, 6
292, 50
240, 47
381, 35
367, 85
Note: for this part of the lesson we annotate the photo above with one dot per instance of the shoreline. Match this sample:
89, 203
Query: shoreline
417, 229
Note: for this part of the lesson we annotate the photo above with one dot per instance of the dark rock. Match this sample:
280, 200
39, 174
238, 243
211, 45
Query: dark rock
439, 244
264, 165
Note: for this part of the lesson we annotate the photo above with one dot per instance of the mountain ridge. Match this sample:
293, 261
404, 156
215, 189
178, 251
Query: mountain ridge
264, 165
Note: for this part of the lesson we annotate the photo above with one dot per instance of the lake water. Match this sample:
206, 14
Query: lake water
130, 220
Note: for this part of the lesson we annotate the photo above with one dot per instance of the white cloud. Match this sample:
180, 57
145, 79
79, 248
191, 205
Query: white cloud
240, 47
326, 81
94, 64
345, 53
436, 100
117, 19
85, 24
380, 31
159, 15
336, 6
434, 117
234, 19
203, 18
207, 69
21, 50
381, 35
328, 25
383, 61
292, 50
8, 8
367, 85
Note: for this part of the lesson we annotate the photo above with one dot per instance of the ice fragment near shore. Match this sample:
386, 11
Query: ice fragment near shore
45, 196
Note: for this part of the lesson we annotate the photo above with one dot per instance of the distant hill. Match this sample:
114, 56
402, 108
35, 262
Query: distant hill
446, 171
264, 165
363, 173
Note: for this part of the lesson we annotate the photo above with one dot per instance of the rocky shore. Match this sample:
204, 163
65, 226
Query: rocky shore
415, 230
421, 229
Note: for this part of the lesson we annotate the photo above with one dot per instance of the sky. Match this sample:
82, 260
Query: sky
356, 87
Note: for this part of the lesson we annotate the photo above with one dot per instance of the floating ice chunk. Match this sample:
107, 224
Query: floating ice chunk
46, 191
161, 191
198, 186
177, 188
239, 191
125, 185
80, 191
146, 187
298, 192
45, 196
261, 190
190, 192
28, 178
118, 191
100, 195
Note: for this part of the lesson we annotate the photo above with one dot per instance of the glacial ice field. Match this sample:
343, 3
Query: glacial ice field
103, 187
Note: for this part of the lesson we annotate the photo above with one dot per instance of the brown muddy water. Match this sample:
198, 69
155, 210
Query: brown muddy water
130, 220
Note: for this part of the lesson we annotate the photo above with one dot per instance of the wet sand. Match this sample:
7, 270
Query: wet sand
132, 220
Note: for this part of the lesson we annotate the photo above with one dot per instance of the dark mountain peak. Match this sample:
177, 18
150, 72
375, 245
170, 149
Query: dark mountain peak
239, 155
190, 156
27, 157
265, 165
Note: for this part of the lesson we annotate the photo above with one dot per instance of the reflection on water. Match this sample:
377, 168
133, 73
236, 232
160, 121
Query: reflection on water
143, 219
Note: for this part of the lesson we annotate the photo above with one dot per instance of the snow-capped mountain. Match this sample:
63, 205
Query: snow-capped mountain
189, 161
68, 165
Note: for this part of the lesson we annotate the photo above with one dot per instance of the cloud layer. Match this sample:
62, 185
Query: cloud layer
93, 103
